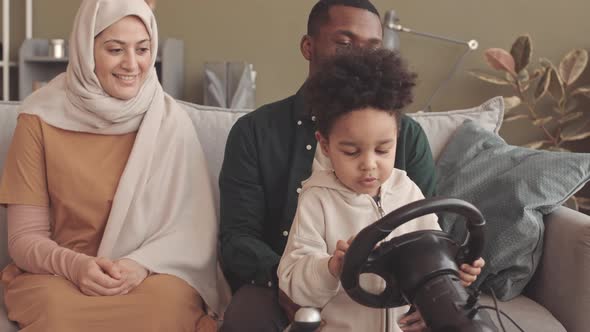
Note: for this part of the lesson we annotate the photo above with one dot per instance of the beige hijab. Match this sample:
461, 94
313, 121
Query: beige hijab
163, 214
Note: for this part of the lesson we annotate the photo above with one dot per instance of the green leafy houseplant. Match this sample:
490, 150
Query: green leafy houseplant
546, 95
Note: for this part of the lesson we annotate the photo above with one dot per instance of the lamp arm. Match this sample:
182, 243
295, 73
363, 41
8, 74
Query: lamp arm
446, 80
471, 44
391, 23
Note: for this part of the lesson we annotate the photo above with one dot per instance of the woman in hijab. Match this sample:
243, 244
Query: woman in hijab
111, 217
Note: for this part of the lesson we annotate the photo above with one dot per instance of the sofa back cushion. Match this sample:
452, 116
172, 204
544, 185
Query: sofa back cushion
441, 126
213, 125
7, 124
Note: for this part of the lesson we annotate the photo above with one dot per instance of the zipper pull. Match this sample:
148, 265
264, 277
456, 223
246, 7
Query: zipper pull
380, 206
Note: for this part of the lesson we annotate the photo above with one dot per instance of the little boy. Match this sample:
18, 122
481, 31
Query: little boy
356, 99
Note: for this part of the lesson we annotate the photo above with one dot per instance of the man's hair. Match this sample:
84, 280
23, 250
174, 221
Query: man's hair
355, 80
319, 14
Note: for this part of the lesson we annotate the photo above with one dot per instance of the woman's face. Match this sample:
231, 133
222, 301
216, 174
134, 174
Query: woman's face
122, 57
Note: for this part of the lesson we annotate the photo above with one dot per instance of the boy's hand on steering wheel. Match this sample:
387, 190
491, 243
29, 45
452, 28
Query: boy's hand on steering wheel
337, 260
468, 273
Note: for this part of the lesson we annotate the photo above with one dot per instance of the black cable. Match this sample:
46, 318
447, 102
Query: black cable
496, 308
498, 311
503, 313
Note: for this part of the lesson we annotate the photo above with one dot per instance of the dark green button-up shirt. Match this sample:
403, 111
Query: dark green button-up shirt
269, 152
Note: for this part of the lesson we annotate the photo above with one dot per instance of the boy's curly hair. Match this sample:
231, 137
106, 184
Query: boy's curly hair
358, 79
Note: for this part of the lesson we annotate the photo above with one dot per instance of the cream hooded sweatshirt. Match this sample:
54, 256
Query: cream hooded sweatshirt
327, 212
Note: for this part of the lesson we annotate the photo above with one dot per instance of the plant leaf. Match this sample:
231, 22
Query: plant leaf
500, 59
523, 76
576, 131
572, 65
511, 102
572, 105
546, 62
537, 73
488, 78
515, 117
543, 84
583, 202
556, 89
508, 77
570, 117
542, 121
526, 86
556, 110
521, 52
572, 203
577, 137
583, 90
535, 145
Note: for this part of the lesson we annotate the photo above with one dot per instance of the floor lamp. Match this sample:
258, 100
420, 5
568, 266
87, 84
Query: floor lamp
391, 28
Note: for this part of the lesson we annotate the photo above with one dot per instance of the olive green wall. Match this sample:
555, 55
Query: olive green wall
267, 33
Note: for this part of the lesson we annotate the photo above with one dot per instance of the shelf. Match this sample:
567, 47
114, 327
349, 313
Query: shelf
38, 58
11, 64
50, 59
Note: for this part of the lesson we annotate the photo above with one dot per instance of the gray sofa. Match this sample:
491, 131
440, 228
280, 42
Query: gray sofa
557, 299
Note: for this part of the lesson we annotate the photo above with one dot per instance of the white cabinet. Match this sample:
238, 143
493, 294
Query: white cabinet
5, 63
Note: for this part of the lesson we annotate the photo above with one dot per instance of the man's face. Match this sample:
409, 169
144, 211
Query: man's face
348, 27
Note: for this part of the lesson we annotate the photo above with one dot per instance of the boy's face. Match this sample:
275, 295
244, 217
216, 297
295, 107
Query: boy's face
361, 146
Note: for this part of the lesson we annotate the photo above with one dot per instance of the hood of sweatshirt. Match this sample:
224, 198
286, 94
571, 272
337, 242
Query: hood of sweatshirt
396, 183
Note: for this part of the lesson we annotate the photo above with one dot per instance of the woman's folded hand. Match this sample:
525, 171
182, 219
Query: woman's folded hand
132, 273
99, 277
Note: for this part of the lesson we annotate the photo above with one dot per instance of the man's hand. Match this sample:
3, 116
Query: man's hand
412, 322
132, 274
337, 260
288, 306
469, 273
99, 277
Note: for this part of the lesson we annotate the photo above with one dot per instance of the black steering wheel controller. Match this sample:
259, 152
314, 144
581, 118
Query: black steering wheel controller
420, 268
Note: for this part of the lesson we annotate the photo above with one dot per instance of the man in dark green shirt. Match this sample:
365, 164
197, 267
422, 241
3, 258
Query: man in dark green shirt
270, 151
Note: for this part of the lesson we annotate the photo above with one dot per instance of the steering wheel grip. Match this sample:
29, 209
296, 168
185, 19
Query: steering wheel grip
364, 243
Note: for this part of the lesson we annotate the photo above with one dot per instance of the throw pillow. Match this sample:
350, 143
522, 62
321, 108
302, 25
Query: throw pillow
213, 125
514, 188
440, 126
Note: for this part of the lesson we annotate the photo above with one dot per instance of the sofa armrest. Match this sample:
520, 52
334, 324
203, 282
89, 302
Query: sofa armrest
562, 281
4, 258
5, 324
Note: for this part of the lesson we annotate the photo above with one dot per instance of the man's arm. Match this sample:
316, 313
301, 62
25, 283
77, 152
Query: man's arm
419, 161
246, 257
